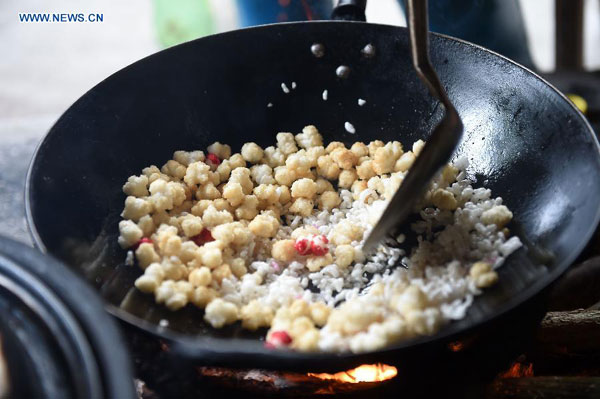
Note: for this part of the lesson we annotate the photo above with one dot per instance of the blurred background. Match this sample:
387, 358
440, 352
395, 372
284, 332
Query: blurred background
45, 67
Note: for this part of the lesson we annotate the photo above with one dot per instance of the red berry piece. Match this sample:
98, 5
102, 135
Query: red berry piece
213, 158
302, 246
278, 339
318, 245
206, 235
144, 240
318, 250
203, 237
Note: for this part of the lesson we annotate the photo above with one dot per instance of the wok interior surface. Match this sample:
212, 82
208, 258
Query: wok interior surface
523, 140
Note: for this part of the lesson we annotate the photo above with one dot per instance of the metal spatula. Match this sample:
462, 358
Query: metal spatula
439, 146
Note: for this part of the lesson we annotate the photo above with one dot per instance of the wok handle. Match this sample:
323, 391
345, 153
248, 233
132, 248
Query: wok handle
350, 10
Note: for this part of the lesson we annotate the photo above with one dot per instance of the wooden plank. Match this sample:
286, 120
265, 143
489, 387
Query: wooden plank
573, 332
579, 287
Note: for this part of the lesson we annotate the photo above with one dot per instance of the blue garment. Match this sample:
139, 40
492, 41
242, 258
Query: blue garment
494, 24
259, 12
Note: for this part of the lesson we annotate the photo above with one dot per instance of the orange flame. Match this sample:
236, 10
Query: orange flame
364, 373
456, 346
517, 370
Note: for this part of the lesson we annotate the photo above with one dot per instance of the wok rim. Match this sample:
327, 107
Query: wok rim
212, 347
34, 276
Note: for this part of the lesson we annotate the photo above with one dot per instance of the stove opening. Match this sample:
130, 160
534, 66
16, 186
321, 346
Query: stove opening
284, 383
364, 373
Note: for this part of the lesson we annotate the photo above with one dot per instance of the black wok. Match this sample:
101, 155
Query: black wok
524, 139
